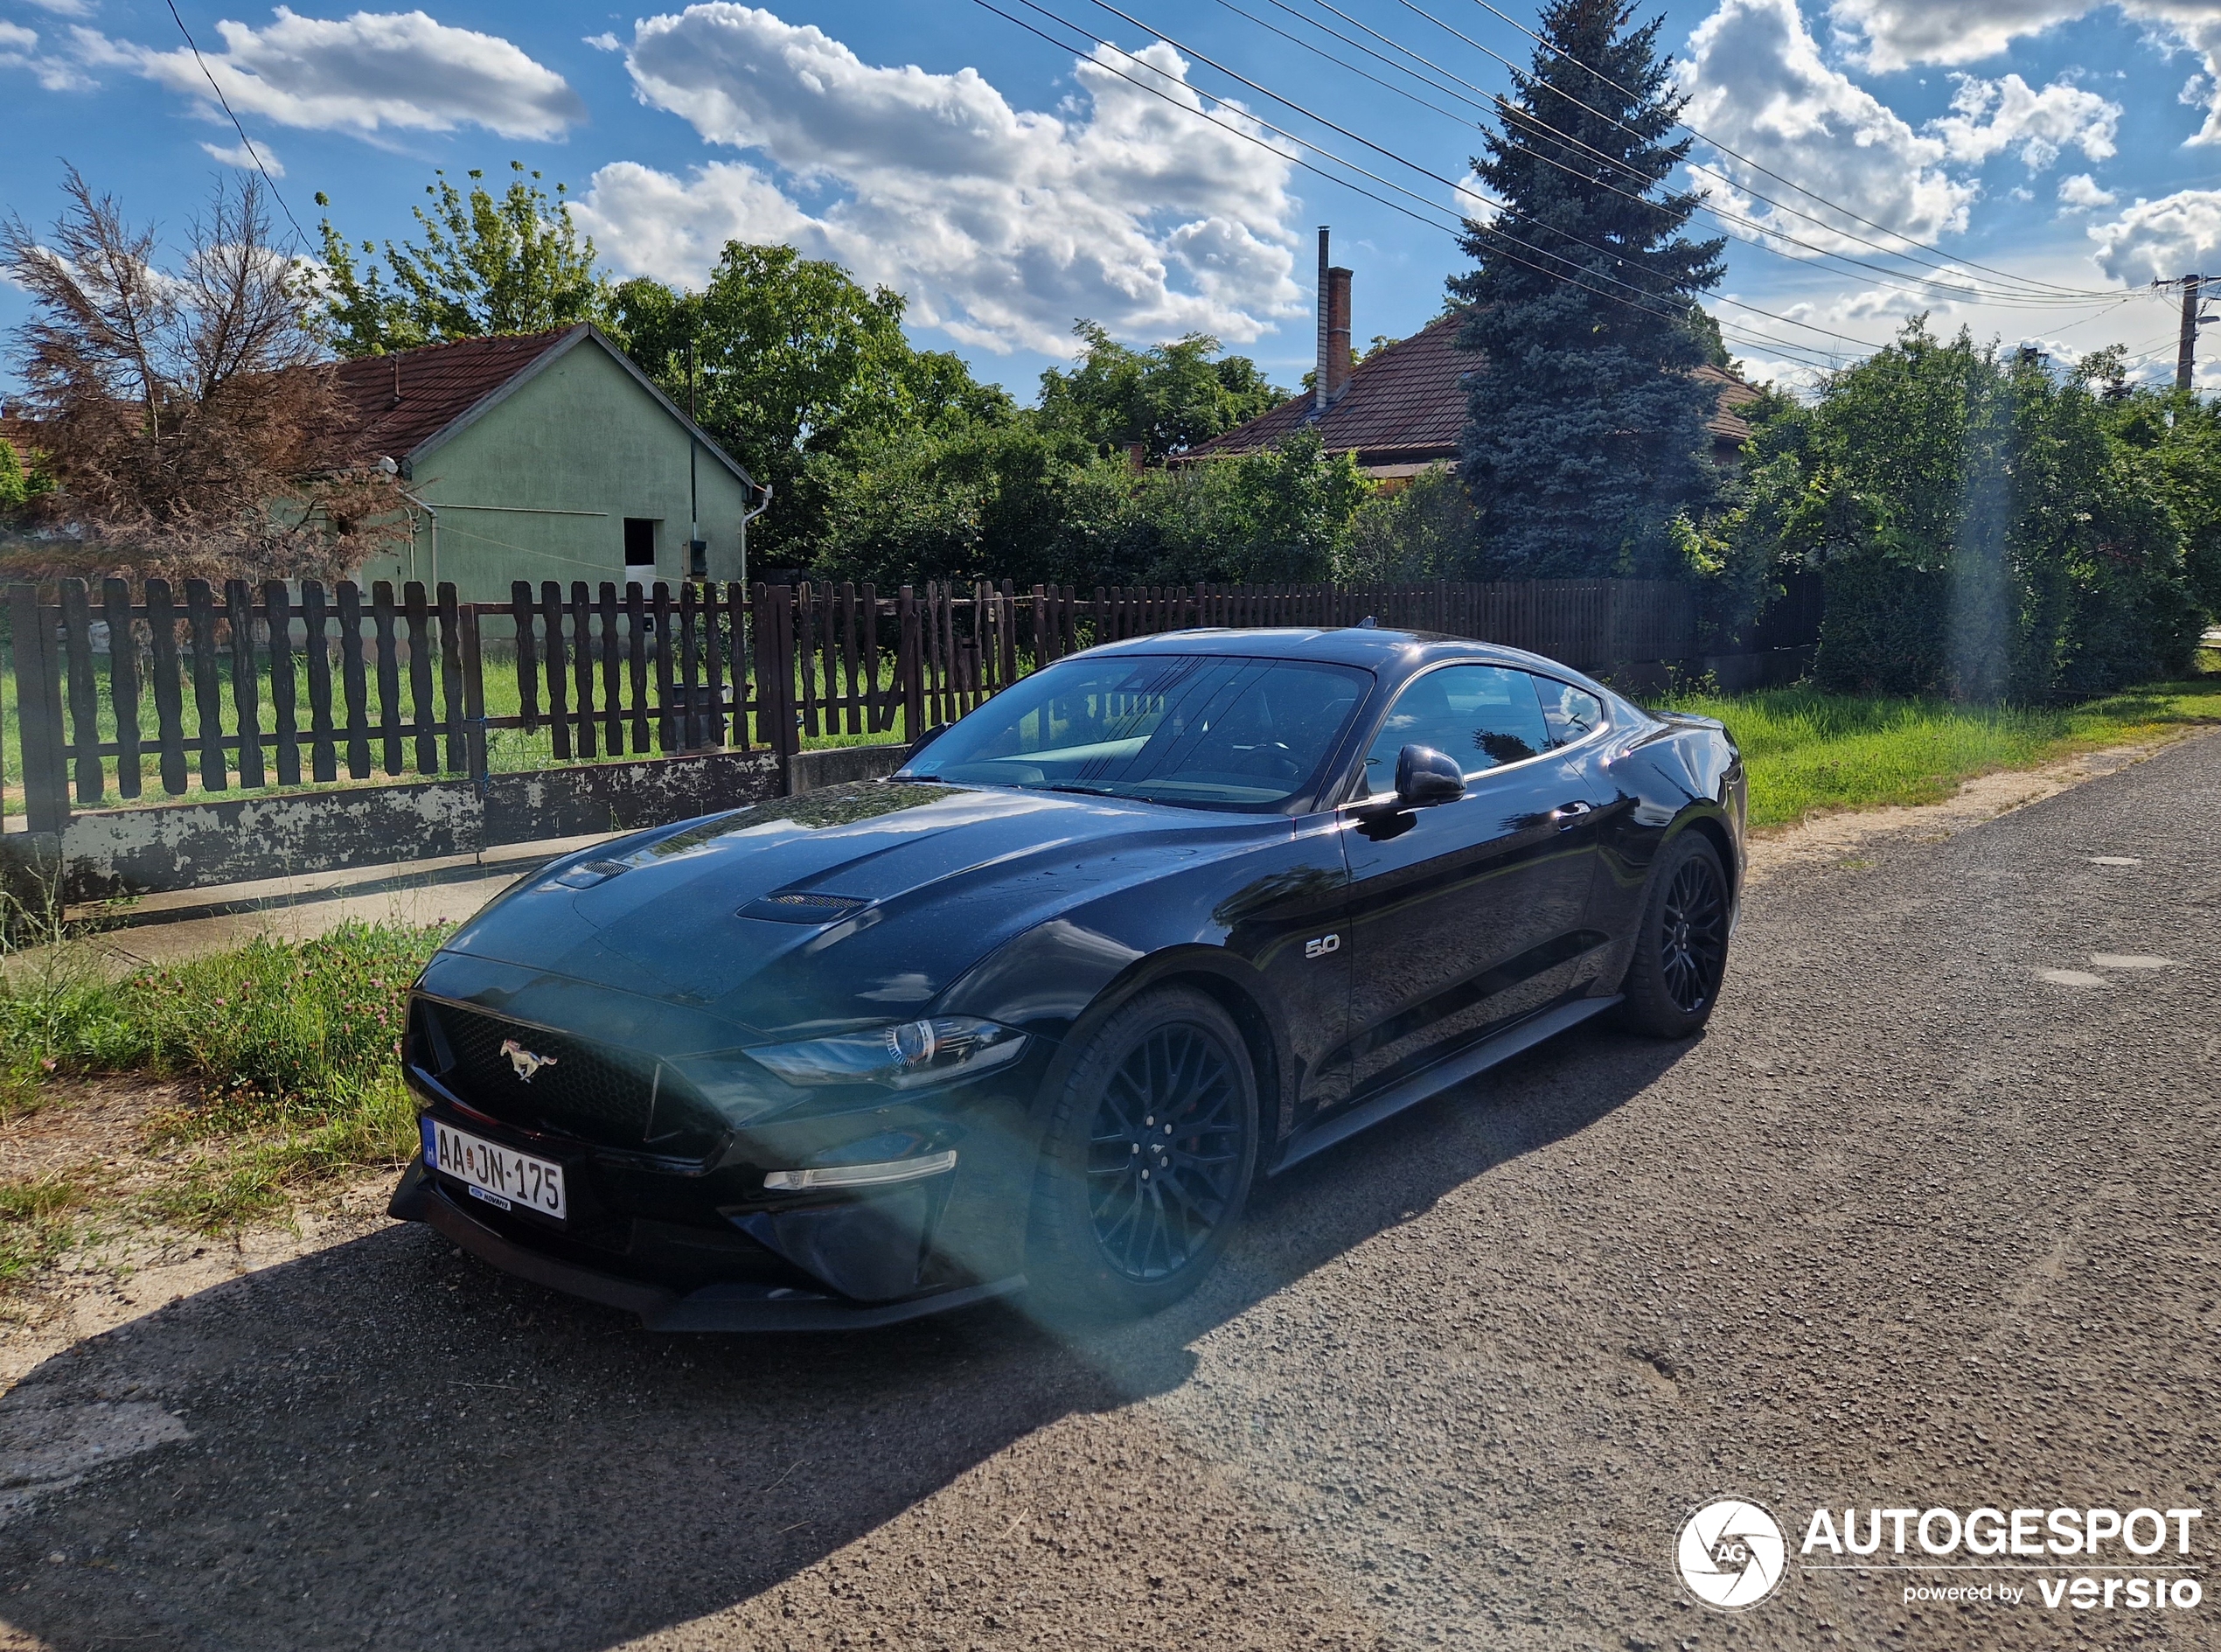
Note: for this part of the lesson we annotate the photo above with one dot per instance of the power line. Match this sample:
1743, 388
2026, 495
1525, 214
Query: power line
1734, 154
1528, 120
1742, 335
300, 235
1402, 160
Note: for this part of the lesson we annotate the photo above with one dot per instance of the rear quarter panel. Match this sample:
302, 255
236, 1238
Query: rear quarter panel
1672, 774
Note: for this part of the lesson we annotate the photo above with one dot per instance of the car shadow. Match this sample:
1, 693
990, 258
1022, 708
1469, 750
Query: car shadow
390, 1444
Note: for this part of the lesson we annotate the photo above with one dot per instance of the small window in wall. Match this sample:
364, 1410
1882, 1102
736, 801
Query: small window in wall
639, 541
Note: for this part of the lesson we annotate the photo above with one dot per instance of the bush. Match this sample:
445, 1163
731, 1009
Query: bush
1984, 531
1421, 531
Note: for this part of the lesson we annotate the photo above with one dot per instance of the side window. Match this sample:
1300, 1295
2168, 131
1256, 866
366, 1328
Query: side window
1567, 712
1482, 715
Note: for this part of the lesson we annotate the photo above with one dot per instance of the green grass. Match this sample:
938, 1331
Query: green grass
1810, 753
290, 1054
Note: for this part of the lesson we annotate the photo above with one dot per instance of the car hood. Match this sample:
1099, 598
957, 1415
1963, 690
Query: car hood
838, 908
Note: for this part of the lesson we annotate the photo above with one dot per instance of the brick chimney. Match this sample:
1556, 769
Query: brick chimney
1332, 374
1337, 333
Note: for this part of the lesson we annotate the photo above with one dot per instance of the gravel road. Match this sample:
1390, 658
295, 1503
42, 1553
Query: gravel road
1913, 1225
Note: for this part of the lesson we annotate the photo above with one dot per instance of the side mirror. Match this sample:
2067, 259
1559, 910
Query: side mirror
1425, 777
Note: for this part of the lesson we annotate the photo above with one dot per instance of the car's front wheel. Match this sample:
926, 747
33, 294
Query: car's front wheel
1150, 1152
1681, 950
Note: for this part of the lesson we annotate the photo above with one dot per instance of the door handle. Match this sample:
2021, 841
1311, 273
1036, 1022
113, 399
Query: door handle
1566, 813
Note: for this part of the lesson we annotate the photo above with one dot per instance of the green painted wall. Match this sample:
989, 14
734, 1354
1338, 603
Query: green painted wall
539, 485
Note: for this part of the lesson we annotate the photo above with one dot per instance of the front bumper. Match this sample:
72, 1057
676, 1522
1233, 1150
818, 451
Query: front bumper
721, 1306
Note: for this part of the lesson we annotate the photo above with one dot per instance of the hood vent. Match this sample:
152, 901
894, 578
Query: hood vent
803, 906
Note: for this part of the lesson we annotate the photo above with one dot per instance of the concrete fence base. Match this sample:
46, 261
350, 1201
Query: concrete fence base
160, 847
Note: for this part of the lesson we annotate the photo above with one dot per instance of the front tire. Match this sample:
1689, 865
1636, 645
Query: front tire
1148, 1161
1682, 949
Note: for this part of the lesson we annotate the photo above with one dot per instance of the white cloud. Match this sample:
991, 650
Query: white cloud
64, 8
1989, 116
603, 42
1755, 77
238, 155
372, 70
2081, 193
1000, 225
1885, 304
2157, 240
19, 50
1895, 34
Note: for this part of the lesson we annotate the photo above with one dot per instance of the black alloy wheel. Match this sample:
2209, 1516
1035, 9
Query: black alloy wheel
1681, 950
1147, 1162
1165, 1152
1692, 935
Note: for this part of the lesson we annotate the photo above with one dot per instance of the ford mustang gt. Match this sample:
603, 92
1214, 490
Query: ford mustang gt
1035, 1013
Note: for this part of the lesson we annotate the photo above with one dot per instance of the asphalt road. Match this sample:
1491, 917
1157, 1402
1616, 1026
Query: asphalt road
1912, 1225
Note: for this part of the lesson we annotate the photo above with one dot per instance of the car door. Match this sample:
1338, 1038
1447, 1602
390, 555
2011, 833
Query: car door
1470, 913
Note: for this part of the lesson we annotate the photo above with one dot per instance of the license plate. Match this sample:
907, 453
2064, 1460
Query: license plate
501, 1177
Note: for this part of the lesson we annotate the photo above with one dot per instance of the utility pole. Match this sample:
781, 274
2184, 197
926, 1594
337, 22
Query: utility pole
2186, 346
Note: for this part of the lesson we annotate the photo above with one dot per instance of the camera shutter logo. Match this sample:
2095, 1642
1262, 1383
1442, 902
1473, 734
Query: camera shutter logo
1731, 1553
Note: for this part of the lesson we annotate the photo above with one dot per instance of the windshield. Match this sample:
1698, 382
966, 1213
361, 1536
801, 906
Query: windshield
1201, 730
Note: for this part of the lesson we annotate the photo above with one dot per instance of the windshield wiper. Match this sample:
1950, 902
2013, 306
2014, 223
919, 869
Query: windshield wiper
1091, 791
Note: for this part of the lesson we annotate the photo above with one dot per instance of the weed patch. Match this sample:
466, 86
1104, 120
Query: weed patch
290, 1052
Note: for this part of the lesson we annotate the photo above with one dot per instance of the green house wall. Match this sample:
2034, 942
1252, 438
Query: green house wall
538, 486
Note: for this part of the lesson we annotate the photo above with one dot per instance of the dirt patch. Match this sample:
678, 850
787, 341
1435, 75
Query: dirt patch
114, 1278
102, 1134
1836, 839
95, 1121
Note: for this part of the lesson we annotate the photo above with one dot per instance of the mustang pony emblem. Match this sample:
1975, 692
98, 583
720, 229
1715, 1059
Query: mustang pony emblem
524, 1061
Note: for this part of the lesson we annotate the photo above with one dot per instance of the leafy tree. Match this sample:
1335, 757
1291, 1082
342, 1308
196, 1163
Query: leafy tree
792, 358
2177, 438
1585, 438
1170, 397
982, 500
488, 265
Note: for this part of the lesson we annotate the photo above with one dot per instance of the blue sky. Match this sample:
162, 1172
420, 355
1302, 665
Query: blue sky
2056, 156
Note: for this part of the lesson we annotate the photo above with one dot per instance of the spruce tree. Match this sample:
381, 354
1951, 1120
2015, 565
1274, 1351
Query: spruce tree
1584, 434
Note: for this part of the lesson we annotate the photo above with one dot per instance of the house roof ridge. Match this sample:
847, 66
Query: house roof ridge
1408, 401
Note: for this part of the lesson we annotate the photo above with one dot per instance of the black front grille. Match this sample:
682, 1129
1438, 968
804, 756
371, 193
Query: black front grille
549, 1081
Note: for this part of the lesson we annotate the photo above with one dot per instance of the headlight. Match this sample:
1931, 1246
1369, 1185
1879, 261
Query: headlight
901, 1057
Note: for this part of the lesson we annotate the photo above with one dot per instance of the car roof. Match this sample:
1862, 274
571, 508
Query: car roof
1390, 652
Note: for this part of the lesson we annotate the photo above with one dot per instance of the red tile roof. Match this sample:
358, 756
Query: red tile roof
1407, 404
395, 402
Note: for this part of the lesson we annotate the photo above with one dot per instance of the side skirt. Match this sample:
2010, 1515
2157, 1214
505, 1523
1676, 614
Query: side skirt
1433, 1080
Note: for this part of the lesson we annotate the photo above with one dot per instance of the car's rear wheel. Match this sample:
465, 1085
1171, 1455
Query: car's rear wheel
1681, 950
1150, 1153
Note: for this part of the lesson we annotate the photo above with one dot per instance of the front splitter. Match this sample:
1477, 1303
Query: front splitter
731, 1306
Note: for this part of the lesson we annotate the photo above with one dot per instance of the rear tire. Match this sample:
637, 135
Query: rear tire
1147, 1163
1681, 948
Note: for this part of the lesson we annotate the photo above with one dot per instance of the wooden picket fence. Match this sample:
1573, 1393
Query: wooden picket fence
297, 684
